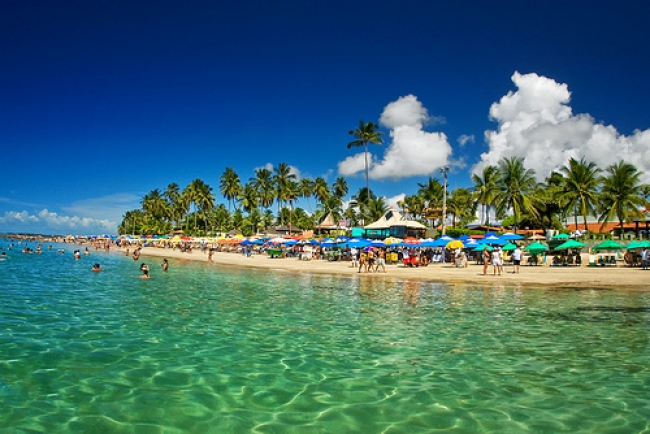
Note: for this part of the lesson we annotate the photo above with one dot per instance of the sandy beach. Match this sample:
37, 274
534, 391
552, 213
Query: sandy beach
613, 277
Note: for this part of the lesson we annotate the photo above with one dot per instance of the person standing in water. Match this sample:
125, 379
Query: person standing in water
165, 265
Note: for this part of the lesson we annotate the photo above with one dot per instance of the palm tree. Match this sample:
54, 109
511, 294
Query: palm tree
321, 190
517, 185
486, 190
621, 193
172, 194
306, 187
249, 198
154, 204
263, 182
230, 185
281, 178
364, 134
201, 195
340, 187
580, 187
377, 207
461, 206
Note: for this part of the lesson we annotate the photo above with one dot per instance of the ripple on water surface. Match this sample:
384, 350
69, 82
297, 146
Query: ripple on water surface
202, 349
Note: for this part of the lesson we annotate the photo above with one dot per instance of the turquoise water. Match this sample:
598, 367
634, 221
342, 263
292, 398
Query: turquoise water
204, 349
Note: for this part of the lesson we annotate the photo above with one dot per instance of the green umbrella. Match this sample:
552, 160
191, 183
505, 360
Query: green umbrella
536, 248
483, 247
571, 244
638, 245
508, 247
561, 237
608, 245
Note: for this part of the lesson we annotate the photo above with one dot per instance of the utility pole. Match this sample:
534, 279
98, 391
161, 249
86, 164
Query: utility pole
444, 171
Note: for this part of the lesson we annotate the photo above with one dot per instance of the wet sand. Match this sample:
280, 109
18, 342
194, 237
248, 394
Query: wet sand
619, 277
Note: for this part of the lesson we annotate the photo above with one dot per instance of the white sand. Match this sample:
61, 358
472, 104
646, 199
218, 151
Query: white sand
619, 277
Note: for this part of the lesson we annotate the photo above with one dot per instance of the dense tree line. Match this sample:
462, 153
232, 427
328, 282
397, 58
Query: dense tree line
507, 190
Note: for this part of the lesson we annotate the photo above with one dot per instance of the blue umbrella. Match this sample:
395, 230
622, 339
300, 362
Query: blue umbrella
356, 242
442, 241
379, 243
509, 236
493, 239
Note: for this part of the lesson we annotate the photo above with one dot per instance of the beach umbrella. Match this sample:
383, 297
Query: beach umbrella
392, 240
442, 241
561, 237
482, 247
509, 247
471, 242
509, 236
356, 242
570, 244
536, 248
278, 240
608, 245
537, 237
429, 242
378, 243
638, 245
493, 239
455, 244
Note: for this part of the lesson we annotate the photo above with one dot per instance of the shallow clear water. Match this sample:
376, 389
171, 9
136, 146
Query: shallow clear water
203, 349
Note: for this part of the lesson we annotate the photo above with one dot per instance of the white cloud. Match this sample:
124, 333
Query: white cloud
464, 139
536, 123
110, 207
52, 223
353, 164
392, 201
412, 151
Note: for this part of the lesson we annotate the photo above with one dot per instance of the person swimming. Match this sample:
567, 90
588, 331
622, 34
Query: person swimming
96, 267
145, 271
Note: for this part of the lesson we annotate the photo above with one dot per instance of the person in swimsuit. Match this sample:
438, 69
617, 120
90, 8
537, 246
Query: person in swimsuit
145, 271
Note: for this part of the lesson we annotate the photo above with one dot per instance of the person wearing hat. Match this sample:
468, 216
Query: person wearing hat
496, 261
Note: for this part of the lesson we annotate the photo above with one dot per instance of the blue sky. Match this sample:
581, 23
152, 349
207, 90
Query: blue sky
103, 101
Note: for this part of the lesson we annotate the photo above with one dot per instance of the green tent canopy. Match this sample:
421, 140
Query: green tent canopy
536, 248
570, 244
608, 245
508, 247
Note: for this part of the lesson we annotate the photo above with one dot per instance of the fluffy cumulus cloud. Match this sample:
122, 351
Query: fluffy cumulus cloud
47, 222
536, 122
464, 139
411, 151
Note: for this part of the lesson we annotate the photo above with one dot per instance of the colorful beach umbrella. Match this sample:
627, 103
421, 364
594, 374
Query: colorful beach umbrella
561, 237
570, 244
536, 248
508, 247
482, 247
638, 245
608, 245
455, 244
509, 236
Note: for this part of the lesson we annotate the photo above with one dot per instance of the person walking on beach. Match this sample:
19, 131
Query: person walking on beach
516, 259
645, 255
381, 261
496, 261
354, 257
486, 260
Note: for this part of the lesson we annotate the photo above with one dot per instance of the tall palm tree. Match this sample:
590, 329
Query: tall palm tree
580, 186
306, 188
281, 178
517, 185
321, 190
377, 207
263, 182
486, 190
230, 185
172, 193
621, 193
461, 206
249, 198
364, 134
201, 195
154, 204
340, 187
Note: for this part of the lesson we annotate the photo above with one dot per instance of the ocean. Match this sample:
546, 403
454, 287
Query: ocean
209, 349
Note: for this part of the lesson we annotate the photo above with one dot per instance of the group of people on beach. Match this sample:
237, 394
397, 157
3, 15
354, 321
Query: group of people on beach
495, 257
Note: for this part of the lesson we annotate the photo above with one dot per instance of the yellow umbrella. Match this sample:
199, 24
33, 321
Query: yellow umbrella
455, 244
